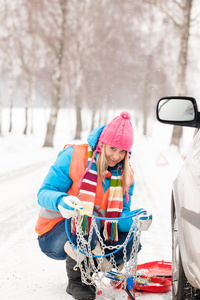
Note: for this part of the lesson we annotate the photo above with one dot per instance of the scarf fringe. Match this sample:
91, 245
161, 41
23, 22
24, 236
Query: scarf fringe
73, 225
86, 224
110, 231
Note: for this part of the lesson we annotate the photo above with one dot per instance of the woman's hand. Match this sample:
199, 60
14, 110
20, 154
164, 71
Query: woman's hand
144, 218
66, 207
145, 221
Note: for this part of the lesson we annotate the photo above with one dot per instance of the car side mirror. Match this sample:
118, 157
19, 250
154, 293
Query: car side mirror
178, 111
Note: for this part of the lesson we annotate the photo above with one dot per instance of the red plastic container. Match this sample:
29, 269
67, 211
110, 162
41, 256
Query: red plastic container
153, 277
159, 275
156, 268
155, 285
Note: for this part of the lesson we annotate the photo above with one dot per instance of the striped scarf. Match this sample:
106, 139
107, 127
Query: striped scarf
88, 194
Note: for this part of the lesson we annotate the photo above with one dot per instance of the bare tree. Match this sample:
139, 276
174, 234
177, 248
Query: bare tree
10, 84
80, 51
182, 63
21, 56
9, 43
85, 53
58, 49
26, 104
85, 45
182, 23
0, 114
33, 61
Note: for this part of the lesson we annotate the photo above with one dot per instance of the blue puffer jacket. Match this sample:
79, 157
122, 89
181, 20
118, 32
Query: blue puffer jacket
58, 181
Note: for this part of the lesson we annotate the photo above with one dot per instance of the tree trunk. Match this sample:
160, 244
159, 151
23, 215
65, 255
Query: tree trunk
26, 121
32, 98
55, 106
51, 126
0, 114
78, 119
10, 83
26, 96
78, 102
57, 80
93, 119
147, 94
182, 65
176, 135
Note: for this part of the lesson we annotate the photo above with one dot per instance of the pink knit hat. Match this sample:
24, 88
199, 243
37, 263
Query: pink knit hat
118, 132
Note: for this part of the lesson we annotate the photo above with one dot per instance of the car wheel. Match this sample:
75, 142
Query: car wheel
181, 288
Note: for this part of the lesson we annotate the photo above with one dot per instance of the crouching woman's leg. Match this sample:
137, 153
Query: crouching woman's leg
78, 289
52, 243
119, 255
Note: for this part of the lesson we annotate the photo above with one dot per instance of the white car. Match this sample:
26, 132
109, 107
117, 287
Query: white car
183, 111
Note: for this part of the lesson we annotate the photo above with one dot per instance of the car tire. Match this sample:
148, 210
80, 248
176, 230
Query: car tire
181, 288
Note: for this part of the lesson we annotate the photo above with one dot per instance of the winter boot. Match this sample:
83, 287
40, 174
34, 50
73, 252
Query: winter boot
76, 287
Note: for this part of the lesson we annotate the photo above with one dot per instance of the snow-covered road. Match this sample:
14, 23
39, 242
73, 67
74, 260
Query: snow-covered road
26, 273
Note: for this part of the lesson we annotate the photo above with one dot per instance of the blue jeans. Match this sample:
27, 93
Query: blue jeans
52, 243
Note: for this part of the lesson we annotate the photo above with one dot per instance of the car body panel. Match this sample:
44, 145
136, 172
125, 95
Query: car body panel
186, 193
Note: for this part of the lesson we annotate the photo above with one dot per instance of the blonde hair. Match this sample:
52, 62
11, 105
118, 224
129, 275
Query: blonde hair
102, 166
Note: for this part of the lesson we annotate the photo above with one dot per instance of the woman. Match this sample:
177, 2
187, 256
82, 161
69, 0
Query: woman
98, 178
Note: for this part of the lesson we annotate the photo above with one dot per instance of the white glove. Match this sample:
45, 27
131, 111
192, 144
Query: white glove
66, 208
145, 221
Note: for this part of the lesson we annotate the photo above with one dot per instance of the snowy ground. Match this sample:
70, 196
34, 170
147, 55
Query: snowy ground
25, 272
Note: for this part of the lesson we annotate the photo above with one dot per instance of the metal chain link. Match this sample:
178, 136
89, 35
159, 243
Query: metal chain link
90, 266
